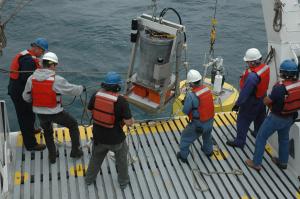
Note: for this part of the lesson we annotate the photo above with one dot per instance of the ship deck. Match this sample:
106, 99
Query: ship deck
154, 169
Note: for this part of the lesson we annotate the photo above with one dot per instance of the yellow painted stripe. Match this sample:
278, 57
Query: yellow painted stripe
298, 195
82, 132
220, 155
79, 169
20, 177
67, 134
269, 149
89, 131
60, 136
38, 137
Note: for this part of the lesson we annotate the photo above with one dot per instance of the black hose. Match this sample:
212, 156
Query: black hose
165, 10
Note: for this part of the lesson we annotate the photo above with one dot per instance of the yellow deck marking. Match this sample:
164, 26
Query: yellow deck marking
146, 128
20, 139
220, 155
82, 132
89, 131
60, 136
298, 195
79, 169
269, 149
67, 135
21, 177
247, 197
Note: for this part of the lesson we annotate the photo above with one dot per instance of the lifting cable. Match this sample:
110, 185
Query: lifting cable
213, 31
277, 21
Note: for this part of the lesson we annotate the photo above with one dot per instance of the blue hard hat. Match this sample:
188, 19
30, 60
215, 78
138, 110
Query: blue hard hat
112, 78
41, 42
288, 66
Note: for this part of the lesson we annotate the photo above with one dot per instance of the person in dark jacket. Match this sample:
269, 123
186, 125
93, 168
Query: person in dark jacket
27, 60
110, 112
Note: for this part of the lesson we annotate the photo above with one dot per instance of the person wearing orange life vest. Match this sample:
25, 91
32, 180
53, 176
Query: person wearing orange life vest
110, 111
199, 106
27, 60
284, 102
44, 89
250, 107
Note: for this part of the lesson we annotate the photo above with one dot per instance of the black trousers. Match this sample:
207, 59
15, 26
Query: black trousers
63, 118
26, 119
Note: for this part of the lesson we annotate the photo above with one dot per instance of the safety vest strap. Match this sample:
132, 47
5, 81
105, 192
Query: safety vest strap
202, 91
292, 86
262, 70
107, 96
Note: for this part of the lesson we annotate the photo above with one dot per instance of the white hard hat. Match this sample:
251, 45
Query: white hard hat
252, 54
51, 57
193, 76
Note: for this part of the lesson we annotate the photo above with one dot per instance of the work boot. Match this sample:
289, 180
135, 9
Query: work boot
52, 156
76, 153
251, 164
37, 130
123, 186
38, 147
178, 155
232, 143
276, 161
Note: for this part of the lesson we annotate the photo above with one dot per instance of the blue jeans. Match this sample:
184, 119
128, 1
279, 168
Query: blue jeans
271, 124
192, 132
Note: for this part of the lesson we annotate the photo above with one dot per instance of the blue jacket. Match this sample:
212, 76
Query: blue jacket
247, 100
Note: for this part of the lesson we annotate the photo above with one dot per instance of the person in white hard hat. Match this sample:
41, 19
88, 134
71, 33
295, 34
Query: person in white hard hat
199, 106
250, 107
44, 89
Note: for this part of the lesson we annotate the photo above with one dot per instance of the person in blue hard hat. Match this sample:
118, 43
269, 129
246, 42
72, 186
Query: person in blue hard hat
284, 102
110, 112
250, 107
27, 60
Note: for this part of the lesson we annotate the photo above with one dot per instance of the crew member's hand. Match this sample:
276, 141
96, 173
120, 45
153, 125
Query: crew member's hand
235, 108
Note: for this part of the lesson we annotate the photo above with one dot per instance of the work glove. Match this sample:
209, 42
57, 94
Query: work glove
235, 108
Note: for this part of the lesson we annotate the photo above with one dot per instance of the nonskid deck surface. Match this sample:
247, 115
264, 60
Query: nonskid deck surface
155, 171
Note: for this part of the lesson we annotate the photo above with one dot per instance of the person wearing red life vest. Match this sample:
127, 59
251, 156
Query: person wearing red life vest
199, 106
27, 60
44, 90
110, 111
284, 102
250, 107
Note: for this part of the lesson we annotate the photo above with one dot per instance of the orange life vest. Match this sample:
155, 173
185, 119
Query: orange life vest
292, 99
104, 108
43, 94
15, 63
206, 103
263, 72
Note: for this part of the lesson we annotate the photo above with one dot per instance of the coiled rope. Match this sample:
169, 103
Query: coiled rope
277, 21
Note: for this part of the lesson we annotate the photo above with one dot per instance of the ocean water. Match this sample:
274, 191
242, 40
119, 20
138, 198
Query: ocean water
93, 35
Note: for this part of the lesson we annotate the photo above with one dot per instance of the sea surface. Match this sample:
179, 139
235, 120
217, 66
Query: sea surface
93, 36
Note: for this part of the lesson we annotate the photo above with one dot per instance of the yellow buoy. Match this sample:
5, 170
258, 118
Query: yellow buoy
221, 105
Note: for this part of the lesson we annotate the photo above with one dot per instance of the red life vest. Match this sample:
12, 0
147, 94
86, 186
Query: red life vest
206, 103
292, 99
15, 63
43, 94
263, 72
104, 108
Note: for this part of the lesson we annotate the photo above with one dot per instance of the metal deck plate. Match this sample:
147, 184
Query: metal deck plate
156, 173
